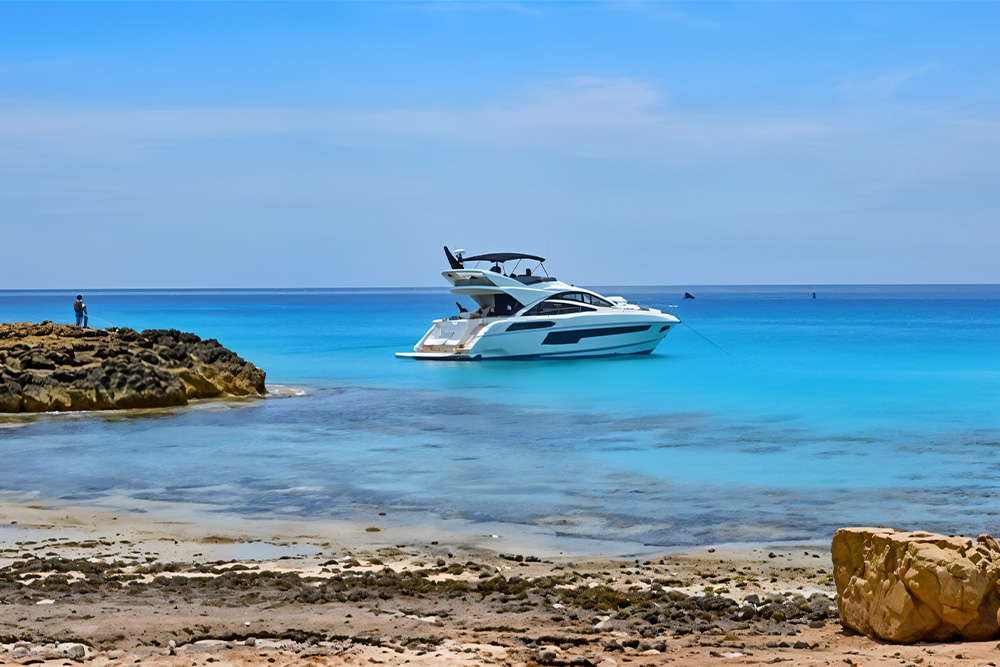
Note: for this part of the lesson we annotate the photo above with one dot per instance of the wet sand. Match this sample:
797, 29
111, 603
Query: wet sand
165, 587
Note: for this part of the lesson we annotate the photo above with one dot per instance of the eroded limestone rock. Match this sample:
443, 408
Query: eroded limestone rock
910, 587
46, 367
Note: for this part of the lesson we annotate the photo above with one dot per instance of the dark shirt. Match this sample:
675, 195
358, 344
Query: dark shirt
79, 306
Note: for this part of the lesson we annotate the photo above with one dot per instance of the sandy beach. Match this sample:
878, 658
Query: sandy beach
163, 587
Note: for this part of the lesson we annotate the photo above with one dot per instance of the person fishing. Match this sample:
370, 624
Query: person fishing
80, 308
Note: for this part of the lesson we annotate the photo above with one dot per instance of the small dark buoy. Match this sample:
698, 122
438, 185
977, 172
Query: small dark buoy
688, 295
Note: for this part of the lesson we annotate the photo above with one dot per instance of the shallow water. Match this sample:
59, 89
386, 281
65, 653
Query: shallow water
866, 405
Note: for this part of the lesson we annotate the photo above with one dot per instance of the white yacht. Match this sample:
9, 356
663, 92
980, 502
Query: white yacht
533, 316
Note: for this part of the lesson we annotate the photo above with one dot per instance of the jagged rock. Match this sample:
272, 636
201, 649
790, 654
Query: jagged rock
45, 394
46, 366
910, 587
716, 603
10, 392
69, 650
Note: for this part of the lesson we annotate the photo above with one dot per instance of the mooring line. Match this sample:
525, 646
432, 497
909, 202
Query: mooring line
706, 339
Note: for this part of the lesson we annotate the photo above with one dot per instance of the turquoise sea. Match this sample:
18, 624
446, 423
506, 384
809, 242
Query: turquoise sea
865, 405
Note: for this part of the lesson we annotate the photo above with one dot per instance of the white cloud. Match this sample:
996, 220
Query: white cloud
798, 157
619, 118
886, 83
785, 184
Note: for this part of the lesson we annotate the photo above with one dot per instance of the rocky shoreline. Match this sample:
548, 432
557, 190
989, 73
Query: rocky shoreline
53, 367
167, 589
545, 613
138, 588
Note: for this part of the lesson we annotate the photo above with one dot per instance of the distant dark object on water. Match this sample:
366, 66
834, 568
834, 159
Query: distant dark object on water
814, 295
688, 295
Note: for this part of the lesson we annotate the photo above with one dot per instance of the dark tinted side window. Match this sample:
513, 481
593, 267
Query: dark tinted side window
597, 301
583, 298
547, 308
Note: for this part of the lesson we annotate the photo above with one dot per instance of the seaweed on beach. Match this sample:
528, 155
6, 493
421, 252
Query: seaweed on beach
590, 604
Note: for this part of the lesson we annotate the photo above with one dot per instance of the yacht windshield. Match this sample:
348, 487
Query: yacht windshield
583, 297
550, 307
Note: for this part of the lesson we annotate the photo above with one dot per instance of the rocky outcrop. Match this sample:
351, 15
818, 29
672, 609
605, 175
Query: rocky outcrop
46, 367
911, 587
26, 651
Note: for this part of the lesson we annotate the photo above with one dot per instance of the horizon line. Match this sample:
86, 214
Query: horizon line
442, 287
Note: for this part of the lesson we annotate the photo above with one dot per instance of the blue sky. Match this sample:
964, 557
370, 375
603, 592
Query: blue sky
283, 144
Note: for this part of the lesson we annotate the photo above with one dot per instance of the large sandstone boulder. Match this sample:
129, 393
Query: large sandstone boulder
911, 587
46, 367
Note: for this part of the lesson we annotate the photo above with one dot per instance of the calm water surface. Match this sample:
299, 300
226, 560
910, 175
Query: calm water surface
866, 405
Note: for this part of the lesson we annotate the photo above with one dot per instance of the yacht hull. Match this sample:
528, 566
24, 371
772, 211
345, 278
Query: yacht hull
558, 337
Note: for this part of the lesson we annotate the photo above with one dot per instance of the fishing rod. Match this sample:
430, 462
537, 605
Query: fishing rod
95, 317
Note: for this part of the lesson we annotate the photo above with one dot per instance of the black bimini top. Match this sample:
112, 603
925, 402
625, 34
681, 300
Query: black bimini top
502, 257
